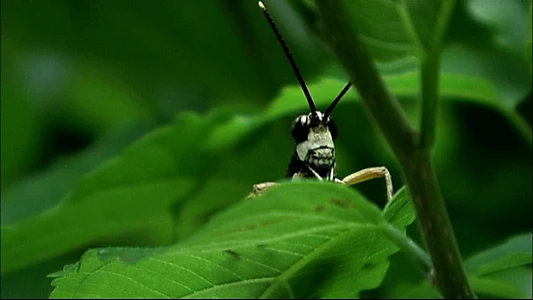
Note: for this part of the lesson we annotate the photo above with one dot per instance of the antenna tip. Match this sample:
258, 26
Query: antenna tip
261, 5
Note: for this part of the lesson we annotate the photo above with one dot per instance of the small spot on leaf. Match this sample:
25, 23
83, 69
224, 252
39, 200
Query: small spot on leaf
319, 208
232, 253
342, 203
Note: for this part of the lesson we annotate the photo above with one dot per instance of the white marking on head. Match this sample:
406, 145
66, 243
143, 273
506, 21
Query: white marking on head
318, 137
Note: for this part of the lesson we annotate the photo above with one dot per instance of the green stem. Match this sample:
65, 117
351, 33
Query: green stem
430, 75
412, 152
409, 248
430, 82
436, 227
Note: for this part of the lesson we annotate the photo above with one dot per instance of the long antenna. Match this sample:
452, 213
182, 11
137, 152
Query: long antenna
291, 59
337, 99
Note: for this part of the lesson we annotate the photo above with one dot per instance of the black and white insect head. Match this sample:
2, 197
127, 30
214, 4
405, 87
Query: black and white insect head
314, 153
314, 137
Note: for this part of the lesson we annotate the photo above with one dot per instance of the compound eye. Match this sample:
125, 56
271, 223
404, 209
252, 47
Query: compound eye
300, 128
332, 128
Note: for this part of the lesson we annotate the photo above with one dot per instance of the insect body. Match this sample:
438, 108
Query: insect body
314, 153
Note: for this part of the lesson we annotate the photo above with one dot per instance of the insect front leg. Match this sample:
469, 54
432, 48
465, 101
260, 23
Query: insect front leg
259, 188
367, 174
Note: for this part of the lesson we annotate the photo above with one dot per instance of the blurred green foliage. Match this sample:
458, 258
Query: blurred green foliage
81, 80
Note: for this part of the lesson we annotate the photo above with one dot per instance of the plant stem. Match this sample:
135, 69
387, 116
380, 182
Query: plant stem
430, 82
412, 152
430, 75
410, 248
436, 227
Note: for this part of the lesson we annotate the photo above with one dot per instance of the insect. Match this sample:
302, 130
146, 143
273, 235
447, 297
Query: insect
314, 153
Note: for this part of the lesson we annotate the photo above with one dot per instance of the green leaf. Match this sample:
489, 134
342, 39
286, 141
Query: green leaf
20, 200
130, 195
495, 272
503, 58
395, 30
483, 287
99, 100
417, 290
508, 20
454, 87
495, 288
517, 251
401, 211
515, 284
383, 29
299, 239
